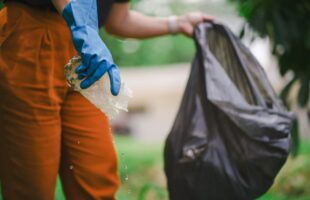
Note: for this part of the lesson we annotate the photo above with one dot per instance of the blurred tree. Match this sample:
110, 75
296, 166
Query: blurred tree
156, 51
287, 24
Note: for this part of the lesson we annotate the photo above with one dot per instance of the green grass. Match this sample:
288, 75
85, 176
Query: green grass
142, 163
145, 160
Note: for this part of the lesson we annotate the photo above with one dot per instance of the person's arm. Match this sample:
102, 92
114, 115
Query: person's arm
125, 23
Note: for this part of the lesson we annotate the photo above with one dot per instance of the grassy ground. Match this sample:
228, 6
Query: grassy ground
145, 173
141, 164
140, 170
147, 181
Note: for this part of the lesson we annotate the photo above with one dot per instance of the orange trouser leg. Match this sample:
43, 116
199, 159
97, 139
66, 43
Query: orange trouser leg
30, 100
29, 154
42, 125
88, 163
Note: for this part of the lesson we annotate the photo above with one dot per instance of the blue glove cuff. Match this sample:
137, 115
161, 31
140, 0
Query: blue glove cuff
81, 13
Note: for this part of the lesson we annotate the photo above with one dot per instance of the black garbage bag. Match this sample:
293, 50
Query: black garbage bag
231, 135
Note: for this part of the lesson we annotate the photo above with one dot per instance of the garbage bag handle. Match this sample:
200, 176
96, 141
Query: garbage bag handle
200, 37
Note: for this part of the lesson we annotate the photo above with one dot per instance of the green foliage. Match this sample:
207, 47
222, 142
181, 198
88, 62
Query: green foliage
287, 24
156, 51
295, 138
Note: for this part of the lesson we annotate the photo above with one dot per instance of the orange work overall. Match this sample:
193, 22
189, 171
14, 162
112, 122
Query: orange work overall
45, 128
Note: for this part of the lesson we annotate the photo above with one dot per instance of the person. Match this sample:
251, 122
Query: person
46, 128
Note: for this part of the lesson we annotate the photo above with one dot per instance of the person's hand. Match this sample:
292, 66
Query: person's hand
186, 23
82, 18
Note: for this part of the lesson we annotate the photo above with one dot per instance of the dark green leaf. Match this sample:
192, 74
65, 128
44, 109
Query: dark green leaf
303, 93
242, 31
259, 22
280, 29
284, 64
295, 138
160, 192
307, 42
246, 9
143, 192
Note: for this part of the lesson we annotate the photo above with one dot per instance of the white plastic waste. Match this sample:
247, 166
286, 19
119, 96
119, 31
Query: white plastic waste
99, 93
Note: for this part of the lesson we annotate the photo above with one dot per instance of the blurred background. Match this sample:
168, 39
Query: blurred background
157, 72
277, 33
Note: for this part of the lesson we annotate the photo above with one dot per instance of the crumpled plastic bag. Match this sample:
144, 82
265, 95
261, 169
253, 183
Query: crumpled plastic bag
99, 93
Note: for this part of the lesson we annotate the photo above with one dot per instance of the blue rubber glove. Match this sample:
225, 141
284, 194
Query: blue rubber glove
82, 18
